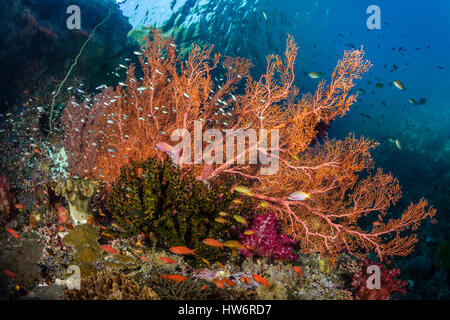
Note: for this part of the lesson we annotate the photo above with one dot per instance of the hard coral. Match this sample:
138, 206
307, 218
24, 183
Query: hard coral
78, 193
109, 285
389, 284
266, 240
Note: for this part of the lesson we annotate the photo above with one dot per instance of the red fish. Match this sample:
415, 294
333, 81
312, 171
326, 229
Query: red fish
168, 260
245, 279
231, 283
203, 287
10, 274
220, 283
14, 234
109, 249
20, 206
260, 280
144, 258
175, 277
213, 243
182, 250
298, 270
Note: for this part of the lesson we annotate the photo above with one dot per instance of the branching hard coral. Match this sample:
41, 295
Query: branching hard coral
336, 176
109, 285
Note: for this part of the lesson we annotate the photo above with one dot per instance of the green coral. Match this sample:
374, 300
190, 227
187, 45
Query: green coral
157, 198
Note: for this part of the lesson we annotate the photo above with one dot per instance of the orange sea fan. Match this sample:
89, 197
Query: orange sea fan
174, 93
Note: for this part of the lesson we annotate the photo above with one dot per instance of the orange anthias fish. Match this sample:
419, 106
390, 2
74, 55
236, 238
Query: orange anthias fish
220, 283
109, 249
260, 280
298, 270
14, 234
10, 274
168, 260
182, 250
231, 283
221, 265
144, 258
175, 277
203, 287
20, 206
206, 261
213, 243
245, 279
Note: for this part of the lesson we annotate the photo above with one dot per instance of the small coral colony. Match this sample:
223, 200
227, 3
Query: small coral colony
102, 197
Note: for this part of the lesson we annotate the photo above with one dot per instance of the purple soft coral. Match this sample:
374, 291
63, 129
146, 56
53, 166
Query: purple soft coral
265, 240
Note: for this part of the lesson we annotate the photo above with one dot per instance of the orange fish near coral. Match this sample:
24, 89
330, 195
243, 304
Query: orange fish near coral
109, 249
20, 206
220, 283
260, 280
245, 280
143, 258
10, 274
182, 250
231, 283
175, 277
203, 287
298, 270
221, 265
14, 233
168, 260
213, 243
206, 261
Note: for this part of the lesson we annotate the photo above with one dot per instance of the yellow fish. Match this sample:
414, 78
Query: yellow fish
244, 190
249, 232
240, 219
237, 201
220, 220
232, 244
264, 204
223, 214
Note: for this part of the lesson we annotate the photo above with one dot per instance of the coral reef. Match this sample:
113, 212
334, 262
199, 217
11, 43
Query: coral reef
336, 175
6, 201
276, 291
388, 287
109, 285
265, 240
23, 260
83, 239
78, 193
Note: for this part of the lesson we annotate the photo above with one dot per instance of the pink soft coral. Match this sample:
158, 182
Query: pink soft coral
265, 240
